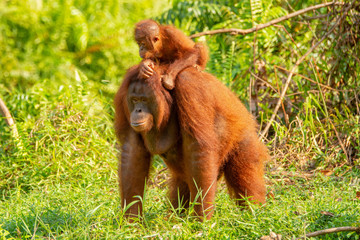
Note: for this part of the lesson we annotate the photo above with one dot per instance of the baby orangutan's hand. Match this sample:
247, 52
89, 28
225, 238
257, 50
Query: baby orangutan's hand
146, 69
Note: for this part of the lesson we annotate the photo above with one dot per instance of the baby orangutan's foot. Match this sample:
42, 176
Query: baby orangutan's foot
168, 82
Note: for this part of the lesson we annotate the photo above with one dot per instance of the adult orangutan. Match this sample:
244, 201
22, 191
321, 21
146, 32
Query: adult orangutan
202, 132
167, 45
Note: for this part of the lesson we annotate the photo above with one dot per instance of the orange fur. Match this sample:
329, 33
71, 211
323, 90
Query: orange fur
172, 48
221, 125
201, 130
207, 132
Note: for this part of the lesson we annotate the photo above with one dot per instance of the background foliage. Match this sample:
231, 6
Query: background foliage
62, 61
323, 96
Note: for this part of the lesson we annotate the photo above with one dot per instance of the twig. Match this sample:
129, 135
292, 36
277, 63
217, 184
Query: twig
299, 93
264, 25
264, 81
328, 14
157, 175
317, 17
8, 118
253, 82
293, 174
306, 78
6, 113
296, 65
330, 230
282, 103
292, 39
340, 142
357, 101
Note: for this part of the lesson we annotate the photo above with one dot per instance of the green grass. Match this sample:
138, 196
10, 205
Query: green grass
72, 210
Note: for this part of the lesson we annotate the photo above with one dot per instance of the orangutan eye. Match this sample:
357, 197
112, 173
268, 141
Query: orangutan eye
135, 100
144, 99
156, 39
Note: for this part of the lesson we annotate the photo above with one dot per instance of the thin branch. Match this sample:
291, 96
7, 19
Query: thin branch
6, 113
309, 79
328, 14
236, 31
8, 118
340, 142
292, 39
330, 230
282, 103
317, 17
357, 101
296, 65
264, 81
300, 93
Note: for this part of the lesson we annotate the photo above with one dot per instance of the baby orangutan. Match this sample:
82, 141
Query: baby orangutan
166, 45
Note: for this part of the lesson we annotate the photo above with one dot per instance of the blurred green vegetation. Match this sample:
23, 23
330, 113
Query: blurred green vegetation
62, 61
47, 40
